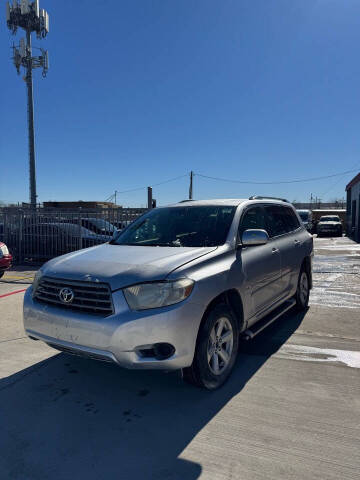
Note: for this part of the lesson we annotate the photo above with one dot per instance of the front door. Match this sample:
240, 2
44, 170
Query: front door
260, 263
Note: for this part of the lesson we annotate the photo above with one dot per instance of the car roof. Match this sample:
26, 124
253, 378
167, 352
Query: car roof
234, 202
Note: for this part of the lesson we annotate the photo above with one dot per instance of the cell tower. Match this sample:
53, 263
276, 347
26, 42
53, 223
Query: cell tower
28, 16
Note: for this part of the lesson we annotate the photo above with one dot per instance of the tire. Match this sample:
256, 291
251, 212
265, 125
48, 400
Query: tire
214, 358
303, 290
1, 274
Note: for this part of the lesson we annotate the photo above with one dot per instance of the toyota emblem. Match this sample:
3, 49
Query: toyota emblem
66, 295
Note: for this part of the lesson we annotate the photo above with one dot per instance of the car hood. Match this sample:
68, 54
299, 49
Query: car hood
122, 265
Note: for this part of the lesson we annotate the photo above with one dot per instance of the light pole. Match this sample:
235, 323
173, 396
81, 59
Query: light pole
191, 185
30, 18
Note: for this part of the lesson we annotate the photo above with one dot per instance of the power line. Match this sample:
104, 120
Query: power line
336, 183
153, 185
313, 179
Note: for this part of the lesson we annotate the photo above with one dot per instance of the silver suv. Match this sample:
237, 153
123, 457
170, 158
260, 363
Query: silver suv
177, 288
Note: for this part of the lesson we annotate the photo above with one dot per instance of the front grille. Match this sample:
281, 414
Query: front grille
89, 297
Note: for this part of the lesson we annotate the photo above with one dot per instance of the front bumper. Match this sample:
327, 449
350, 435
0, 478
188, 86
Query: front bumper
5, 262
118, 337
329, 230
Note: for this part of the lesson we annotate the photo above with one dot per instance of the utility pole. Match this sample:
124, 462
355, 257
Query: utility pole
115, 196
191, 185
30, 18
150, 203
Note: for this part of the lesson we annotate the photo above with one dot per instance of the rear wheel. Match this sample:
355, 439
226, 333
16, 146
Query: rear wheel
216, 349
303, 290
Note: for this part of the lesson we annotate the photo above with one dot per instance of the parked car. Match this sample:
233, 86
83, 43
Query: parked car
47, 240
99, 226
5, 259
307, 219
177, 288
330, 225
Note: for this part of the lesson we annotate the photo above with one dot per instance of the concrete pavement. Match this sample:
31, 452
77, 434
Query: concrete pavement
291, 409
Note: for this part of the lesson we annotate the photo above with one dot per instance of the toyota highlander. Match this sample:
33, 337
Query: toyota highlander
177, 288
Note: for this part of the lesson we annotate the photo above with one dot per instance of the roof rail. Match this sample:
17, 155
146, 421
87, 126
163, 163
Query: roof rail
188, 200
258, 197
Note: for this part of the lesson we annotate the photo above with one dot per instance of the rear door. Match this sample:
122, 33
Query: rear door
260, 263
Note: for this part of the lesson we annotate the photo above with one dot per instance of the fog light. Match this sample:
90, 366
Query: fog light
160, 351
163, 350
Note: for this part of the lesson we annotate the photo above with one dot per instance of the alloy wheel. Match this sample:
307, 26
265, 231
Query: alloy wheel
304, 288
220, 346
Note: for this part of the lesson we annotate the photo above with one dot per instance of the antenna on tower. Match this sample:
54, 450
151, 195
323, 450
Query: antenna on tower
28, 16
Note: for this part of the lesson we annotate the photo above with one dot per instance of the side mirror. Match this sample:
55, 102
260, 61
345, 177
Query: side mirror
254, 237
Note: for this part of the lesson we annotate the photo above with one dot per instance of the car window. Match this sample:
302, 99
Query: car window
330, 219
305, 216
254, 218
291, 219
276, 220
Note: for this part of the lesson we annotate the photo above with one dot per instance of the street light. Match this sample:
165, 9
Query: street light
28, 16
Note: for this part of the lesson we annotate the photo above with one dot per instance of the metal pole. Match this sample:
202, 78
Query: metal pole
191, 185
149, 190
30, 111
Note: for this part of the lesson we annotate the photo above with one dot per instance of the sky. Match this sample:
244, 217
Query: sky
140, 92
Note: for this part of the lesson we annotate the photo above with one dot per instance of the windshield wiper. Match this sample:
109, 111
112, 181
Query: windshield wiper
163, 244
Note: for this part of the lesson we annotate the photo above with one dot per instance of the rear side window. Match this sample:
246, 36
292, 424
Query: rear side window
254, 218
292, 221
280, 220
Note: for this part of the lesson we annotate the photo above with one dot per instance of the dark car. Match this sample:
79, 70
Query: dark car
47, 240
99, 226
330, 225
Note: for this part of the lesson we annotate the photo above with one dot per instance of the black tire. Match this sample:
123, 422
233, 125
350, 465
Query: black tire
302, 294
1, 274
201, 373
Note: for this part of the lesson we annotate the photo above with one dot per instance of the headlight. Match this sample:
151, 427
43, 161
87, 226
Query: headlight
36, 280
4, 250
158, 294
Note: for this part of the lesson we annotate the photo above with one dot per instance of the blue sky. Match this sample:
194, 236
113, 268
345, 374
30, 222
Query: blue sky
143, 91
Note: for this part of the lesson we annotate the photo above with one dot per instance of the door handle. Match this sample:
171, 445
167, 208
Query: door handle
297, 242
275, 250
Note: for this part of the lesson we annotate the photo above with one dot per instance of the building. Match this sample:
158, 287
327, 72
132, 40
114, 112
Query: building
353, 208
83, 205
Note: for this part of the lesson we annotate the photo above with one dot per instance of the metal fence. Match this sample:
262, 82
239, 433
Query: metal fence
37, 236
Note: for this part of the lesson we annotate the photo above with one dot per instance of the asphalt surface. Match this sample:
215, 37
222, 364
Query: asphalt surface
291, 409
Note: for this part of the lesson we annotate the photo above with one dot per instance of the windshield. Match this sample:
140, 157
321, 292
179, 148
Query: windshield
330, 219
197, 226
102, 224
304, 216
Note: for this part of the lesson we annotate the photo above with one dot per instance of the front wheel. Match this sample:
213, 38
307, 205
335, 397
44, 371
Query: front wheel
216, 349
303, 290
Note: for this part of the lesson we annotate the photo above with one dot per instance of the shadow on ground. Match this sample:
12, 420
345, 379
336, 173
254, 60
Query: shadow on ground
73, 418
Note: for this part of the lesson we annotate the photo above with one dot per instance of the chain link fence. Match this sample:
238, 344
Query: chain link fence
34, 237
